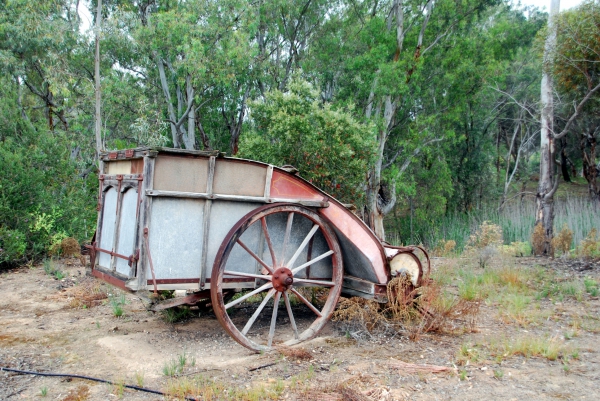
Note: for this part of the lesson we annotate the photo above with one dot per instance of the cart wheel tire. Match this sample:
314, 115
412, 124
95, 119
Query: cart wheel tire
284, 229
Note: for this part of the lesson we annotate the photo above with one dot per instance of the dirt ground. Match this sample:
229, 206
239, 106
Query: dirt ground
43, 329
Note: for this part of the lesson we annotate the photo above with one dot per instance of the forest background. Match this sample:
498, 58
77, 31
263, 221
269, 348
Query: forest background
423, 113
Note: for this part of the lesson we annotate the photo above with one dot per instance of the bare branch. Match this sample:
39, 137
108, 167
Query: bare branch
576, 113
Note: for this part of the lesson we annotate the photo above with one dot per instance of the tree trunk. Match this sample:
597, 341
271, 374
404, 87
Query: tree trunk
235, 128
98, 125
377, 206
590, 168
548, 183
190, 139
564, 161
165, 87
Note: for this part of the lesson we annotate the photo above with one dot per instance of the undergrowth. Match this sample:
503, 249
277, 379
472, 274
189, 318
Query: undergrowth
207, 389
411, 312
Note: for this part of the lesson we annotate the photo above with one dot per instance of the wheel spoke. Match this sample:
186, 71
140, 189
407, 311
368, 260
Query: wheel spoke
299, 242
290, 314
248, 295
255, 256
310, 262
250, 275
274, 318
263, 222
312, 232
315, 282
257, 311
306, 302
288, 230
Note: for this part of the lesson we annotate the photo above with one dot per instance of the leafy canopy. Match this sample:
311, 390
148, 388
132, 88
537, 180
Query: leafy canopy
328, 146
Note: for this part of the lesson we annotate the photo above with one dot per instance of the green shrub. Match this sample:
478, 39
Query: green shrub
42, 197
12, 245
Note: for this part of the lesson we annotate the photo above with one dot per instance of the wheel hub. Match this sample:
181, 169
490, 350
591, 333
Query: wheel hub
282, 279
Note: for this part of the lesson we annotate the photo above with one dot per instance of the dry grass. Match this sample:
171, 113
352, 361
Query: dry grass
206, 389
562, 241
487, 235
485, 242
410, 311
350, 394
67, 247
296, 354
590, 245
529, 346
87, 294
444, 248
538, 239
80, 393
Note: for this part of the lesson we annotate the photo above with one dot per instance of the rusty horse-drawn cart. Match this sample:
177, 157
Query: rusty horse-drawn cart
267, 250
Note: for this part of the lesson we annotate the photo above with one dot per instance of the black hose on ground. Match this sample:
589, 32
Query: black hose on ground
26, 372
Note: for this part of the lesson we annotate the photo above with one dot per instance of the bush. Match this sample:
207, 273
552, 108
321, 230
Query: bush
562, 241
485, 242
12, 245
538, 239
590, 245
328, 146
42, 198
445, 248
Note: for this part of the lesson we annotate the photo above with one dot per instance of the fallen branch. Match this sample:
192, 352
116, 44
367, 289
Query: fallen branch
196, 371
414, 368
262, 366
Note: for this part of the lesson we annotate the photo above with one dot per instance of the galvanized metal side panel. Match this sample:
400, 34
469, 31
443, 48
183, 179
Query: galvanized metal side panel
223, 216
127, 230
239, 178
107, 236
175, 237
183, 174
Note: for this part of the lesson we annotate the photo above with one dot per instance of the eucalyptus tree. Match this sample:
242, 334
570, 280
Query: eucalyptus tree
577, 78
571, 56
380, 52
38, 42
197, 54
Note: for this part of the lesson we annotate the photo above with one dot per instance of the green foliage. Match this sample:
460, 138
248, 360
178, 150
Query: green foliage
52, 270
41, 198
328, 147
577, 52
176, 314
591, 286
12, 245
116, 303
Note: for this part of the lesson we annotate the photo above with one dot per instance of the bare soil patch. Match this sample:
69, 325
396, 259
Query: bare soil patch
68, 326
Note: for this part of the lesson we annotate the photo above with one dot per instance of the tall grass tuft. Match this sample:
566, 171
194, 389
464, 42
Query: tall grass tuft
517, 221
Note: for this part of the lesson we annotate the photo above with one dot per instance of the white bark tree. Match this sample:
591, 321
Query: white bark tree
98, 115
548, 182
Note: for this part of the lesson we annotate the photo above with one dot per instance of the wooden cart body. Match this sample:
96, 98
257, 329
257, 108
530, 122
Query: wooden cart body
166, 216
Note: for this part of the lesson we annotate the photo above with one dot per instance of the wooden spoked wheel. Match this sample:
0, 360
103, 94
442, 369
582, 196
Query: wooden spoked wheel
286, 265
